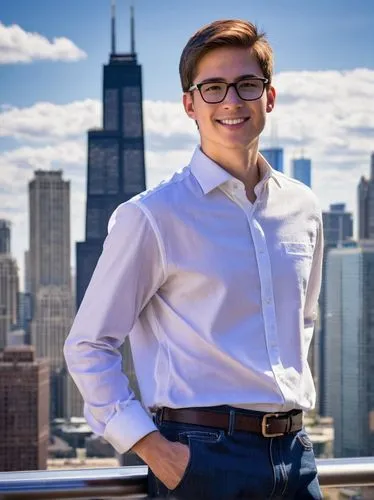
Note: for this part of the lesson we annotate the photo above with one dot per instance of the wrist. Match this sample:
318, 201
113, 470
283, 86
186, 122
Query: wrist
149, 445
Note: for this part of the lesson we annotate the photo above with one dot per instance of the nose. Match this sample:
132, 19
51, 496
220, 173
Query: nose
232, 98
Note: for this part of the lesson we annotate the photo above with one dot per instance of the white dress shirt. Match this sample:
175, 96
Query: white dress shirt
218, 295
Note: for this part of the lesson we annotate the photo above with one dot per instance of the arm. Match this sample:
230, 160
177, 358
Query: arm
314, 284
128, 273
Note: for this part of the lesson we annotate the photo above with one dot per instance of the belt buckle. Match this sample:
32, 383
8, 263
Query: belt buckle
264, 425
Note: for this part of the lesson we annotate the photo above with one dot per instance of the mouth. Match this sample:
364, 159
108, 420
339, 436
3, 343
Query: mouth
233, 122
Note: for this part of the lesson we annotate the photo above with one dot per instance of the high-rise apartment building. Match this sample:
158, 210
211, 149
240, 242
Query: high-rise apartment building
302, 170
54, 314
49, 276
24, 424
115, 170
349, 348
337, 225
337, 229
51, 323
366, 205
274, 157
4, 236
49, 211
8, 296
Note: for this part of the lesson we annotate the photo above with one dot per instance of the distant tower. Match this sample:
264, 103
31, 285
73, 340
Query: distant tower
349, 374
9, 289
337, 230
50, 279
24, 396
274, 156
115, 170
302, 170
49, 255
4, 236
366, 205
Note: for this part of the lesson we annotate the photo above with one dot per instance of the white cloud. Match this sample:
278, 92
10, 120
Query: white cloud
20, 46
329, 116
46, 122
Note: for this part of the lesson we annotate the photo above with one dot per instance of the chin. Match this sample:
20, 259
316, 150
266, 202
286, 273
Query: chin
237, 144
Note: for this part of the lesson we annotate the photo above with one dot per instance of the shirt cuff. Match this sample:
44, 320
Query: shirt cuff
127, 426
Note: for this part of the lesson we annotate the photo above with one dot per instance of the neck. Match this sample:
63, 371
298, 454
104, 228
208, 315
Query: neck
241, 163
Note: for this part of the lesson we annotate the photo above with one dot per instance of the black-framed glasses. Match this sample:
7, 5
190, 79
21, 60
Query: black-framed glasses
248, 89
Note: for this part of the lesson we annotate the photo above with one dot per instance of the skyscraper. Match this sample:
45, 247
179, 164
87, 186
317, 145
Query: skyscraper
4, 236
302, 170
337, 229
49, 254
349, 375
24, 392
8, 296
49, 271
115, 170
366, 205
337, 225
274, 156
51, 323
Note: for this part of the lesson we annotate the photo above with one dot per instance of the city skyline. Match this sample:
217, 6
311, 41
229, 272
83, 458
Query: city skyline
45, 125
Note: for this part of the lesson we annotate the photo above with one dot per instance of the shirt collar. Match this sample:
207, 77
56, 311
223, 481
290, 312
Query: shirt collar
210, 175
207, 172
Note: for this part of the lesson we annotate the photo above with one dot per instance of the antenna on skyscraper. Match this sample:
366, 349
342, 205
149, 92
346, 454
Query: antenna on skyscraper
132, 29
113, 26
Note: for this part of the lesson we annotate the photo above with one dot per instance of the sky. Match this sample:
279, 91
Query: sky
51, 59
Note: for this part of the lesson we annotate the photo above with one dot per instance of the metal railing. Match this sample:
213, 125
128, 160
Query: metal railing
131, 482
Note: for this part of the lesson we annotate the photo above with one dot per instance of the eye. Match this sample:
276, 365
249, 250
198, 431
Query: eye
212, 87
248, 84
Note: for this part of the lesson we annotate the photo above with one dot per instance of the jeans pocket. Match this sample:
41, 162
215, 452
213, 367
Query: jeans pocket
193, 482
189, 466
304, 440
199, 435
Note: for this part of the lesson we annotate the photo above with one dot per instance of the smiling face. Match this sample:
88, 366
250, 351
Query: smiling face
234, 123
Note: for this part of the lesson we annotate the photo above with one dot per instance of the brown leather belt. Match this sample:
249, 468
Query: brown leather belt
267, 424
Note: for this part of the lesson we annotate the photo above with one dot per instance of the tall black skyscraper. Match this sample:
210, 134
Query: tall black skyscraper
116, 170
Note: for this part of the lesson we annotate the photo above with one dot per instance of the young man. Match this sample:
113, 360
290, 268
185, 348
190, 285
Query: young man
215, 276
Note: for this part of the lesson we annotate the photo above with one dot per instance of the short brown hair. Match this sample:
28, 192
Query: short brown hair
226, 33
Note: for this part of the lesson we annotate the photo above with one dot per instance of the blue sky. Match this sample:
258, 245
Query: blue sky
324, 64
306, 35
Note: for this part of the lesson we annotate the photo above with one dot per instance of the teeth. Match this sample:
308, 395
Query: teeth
233, 122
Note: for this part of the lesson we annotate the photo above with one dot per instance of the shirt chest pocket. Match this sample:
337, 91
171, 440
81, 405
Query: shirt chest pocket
297, 258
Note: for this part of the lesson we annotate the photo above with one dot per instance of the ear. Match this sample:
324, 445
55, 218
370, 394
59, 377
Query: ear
189, 105
270, 99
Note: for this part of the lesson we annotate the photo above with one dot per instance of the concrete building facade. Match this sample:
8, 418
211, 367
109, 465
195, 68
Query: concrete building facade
49, 211
9, 288
349, 348
24, 418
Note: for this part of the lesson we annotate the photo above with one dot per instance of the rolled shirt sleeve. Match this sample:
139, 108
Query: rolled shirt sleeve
129, 271
314, 284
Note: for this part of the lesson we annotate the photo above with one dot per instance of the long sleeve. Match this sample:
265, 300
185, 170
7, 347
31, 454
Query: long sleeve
130, 270
314, 284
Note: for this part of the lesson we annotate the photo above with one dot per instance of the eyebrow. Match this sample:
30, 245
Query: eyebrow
221, 79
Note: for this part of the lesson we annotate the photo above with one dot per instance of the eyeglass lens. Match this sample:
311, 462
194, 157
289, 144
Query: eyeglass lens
249, 89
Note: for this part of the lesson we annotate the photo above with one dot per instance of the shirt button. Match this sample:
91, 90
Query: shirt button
268, 301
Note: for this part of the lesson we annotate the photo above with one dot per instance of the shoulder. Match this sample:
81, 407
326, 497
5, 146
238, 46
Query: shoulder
300, 193
168, 194
147, 205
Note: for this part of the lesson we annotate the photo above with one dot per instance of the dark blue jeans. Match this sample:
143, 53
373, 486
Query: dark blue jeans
244, 465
